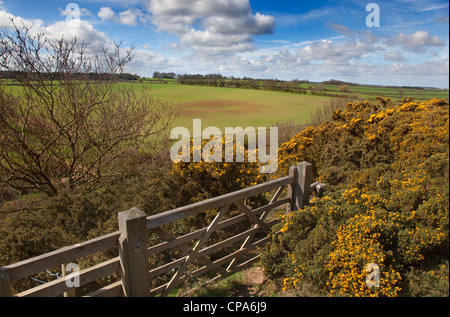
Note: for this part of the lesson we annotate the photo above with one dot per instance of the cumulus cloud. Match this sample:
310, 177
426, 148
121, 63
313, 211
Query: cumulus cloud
85, 31
106, 13
353, 57
417, 42
7, 21
82, 11
395, 56
128, 17
146, 61
325, 52
210, 26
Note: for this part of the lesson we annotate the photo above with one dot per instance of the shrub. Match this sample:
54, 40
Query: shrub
389, 206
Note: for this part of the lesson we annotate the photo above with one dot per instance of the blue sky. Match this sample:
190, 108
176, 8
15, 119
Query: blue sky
314, 40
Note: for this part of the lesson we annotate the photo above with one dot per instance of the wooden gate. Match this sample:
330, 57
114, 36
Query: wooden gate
153, 259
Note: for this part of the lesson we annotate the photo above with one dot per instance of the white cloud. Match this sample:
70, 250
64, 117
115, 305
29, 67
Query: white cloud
248, 23
326, 51
82, 11
417, 42
128, 17
286, 19
210, 26
6, 21
85, 31
146, 62
395, 56
106, 13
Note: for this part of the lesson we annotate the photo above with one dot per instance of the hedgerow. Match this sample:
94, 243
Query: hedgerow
387, 166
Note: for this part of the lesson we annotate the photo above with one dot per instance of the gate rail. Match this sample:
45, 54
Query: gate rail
138, 279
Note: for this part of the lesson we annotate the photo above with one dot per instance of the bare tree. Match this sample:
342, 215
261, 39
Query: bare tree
325, 112
70, 123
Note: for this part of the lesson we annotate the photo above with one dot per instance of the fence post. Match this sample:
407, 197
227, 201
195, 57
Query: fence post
293, 189
304, 180
5, 286
133, 253
299, 191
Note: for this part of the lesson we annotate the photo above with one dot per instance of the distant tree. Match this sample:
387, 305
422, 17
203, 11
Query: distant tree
318, 89
70, 124
343, 88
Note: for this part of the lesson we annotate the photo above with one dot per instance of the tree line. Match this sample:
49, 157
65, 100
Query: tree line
60, 76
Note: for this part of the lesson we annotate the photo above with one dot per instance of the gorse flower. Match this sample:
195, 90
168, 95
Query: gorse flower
387, 166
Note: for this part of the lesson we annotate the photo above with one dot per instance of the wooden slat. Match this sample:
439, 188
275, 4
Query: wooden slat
269, 207
277, 195
57, 258
166, 267
230, 256
262, 218
240, 236
57, 287
112, 290
223, 224
208, 250
214, 203
160, 289
236, 269
183, 247
193, 235
192, 256
252, 216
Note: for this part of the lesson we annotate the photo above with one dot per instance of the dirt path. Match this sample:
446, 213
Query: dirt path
252, 288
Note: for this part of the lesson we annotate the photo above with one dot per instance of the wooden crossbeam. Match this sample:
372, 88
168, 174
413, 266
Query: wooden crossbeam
250, 238
191, 257
242, 207
167, 236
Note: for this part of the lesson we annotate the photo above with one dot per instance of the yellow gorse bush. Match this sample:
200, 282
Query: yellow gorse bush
387, 166
210, 179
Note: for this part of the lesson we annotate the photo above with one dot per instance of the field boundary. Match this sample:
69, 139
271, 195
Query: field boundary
138, 279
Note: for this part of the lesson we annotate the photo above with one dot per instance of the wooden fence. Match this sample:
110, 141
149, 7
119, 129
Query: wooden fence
154, 269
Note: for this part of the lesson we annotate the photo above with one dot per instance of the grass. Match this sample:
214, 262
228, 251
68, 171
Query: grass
370, 92
224, 107
233, 107
235, 285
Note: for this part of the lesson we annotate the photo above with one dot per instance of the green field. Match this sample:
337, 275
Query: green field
369, 92
221, 107
232, 107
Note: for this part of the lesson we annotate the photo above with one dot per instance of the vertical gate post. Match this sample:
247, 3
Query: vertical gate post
299, 190
5, 286
133, 253
293, 190
304, 180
